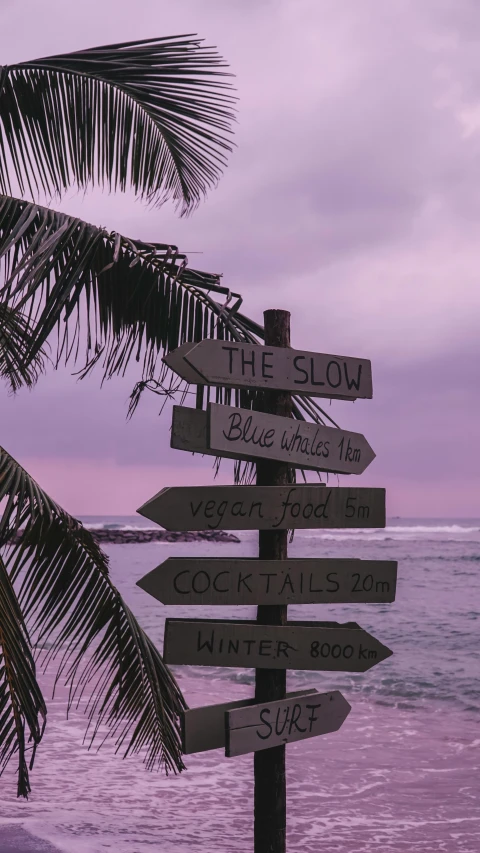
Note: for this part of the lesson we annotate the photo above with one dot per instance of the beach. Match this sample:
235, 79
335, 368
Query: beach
400, 775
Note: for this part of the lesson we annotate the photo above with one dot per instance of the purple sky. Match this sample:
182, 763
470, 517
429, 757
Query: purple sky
353, 200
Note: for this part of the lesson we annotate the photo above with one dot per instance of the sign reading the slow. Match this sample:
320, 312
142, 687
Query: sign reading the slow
240, 365
265, 507
184, 580
296, 645
255, 727
254, 434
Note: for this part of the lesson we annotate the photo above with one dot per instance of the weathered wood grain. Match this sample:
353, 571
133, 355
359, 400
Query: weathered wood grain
250, 435
323, 646
265, 507
204, 728
175, 360
189, 432
255, 727
240, 365
218, 581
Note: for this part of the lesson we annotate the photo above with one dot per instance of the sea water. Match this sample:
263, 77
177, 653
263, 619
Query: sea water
402, 774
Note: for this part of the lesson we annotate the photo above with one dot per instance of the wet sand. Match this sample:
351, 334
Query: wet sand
14, 839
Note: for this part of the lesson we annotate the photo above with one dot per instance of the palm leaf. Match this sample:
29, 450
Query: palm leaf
128, 298
15, 342
155, 114
22, 707
138, 300
71, 605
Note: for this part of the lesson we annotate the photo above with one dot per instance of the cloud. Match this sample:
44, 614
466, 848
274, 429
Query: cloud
352, 199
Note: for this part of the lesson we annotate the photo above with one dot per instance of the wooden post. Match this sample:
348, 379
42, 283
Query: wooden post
270, 684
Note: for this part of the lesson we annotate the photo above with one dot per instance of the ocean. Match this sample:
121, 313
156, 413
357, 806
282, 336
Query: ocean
402, 774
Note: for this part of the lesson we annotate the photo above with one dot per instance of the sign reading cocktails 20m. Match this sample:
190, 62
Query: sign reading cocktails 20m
239, 365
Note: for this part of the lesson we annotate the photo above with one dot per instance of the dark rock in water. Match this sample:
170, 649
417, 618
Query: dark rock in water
118, 536
126, 537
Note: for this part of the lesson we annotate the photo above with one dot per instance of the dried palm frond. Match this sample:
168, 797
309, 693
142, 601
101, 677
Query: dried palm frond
154, 114
70, 604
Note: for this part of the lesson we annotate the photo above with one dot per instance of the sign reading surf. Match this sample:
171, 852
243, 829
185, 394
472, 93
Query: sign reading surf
257, 435
265, 507
254, 727
240, 365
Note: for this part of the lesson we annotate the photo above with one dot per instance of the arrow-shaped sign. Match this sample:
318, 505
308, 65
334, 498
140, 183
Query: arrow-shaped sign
218, 581
249, 434
175, 360
254, 727
265, 507
240, 365
204, 728
325, 646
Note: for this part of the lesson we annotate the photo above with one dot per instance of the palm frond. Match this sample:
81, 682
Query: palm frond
71, 605
22, 708
16, 368
154, 114
116, 298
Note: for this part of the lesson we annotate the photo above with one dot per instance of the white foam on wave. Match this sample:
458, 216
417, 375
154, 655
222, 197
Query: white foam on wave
449, 528
383, 534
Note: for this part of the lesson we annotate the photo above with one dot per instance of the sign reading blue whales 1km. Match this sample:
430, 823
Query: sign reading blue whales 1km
217, 581
265, 507
239, 365
304, 445
325, 646
255, 727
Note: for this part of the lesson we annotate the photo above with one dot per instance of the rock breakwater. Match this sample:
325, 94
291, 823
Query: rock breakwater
118, 536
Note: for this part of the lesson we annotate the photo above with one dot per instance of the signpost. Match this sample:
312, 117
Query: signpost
262, 507
273, 367
254, 727
205, 728
246, 434
209, 580
325, 646
277, 443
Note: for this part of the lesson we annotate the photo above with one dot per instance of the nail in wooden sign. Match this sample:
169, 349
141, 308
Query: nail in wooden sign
323, 646
241, 365
265, 507
256, 727
253, 434
214, 580
203, 728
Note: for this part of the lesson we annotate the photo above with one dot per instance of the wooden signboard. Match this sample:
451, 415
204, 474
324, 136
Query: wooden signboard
251, 434
215, 580
176, 361
204, 728
189, 432
241, 365
256, 727
326, 646
265, 507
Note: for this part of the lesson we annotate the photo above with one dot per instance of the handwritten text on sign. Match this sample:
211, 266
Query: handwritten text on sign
297, 645
265, 507
240, 365
256, 727
209, 580
204, 728
301, 444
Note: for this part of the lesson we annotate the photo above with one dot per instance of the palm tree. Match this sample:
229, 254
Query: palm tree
154, 115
